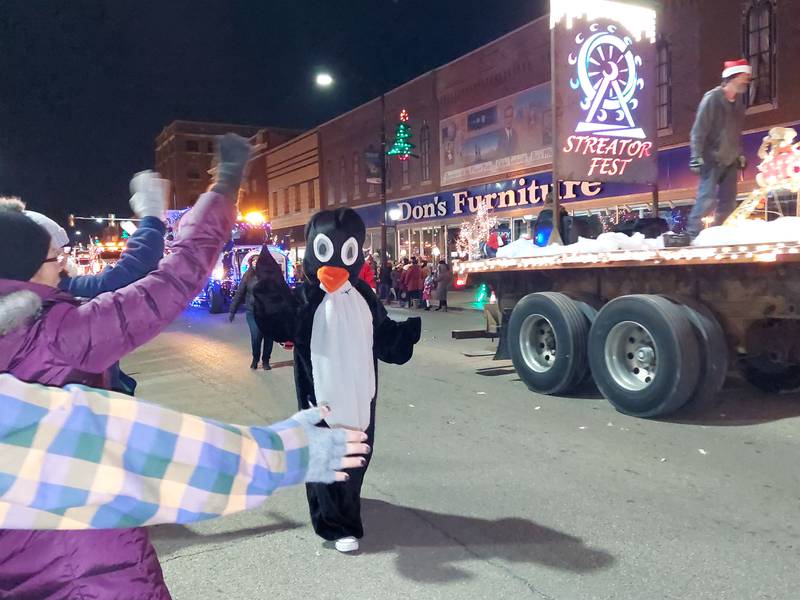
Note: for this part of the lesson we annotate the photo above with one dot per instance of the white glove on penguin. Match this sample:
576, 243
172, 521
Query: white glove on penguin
150, 193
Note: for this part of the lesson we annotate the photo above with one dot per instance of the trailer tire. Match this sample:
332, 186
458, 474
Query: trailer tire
644, 355
547, 336
589, 305
759, 373
714, 356
769, 362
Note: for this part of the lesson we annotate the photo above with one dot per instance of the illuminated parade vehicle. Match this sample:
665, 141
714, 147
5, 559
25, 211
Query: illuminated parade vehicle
657, 328
247, 238
97, 256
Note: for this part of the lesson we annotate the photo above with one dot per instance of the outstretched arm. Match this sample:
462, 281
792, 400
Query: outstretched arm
394, 340
141, 256
94, 336
79, 458
144, 249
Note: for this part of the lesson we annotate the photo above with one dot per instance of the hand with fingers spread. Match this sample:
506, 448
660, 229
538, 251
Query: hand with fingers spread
331, 451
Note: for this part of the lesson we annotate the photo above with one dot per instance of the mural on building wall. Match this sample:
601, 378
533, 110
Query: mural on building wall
506, 135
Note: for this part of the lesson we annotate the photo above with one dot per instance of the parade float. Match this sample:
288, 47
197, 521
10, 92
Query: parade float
657, 328
250, 232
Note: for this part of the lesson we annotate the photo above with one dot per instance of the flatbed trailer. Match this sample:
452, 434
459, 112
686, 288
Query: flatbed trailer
657, 330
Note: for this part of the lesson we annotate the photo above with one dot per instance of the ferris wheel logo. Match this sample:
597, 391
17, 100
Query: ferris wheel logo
608, 79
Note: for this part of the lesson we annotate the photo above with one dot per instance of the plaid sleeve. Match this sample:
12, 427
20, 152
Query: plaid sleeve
80, 458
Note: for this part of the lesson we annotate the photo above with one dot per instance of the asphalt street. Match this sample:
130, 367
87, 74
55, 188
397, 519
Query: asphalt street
481, 489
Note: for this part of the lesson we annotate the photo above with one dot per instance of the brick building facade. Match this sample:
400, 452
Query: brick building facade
292, 171
503, 87
472, 118
185, 155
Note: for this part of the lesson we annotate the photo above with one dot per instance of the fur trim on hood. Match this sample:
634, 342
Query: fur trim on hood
16, 309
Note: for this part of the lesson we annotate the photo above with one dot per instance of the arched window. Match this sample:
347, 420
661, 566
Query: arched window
759, 48
663, 85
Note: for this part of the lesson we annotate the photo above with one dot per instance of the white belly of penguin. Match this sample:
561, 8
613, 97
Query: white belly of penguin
341, 357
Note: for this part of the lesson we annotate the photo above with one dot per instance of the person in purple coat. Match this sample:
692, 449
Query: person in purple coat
49, 337
142, 253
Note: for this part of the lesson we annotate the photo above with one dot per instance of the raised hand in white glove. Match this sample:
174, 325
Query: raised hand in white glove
150, 193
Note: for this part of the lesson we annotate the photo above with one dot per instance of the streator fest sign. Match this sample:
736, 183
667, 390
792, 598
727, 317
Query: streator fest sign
604, 67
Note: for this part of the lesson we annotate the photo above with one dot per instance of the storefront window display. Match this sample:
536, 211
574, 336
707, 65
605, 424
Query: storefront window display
424, 242
372, 241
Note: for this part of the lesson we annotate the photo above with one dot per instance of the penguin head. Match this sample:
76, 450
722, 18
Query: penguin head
334, 239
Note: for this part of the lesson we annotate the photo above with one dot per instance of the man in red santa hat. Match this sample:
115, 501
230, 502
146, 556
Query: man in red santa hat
716, 145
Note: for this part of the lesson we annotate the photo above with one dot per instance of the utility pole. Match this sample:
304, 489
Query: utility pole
384, 215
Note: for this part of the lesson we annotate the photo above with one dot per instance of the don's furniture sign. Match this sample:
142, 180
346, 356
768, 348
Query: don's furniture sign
604, 68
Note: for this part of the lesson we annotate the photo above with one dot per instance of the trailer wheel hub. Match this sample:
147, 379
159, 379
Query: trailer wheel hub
631, 356
538, 343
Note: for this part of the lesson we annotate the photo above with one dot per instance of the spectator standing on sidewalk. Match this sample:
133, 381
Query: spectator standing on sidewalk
412, 282
444, 276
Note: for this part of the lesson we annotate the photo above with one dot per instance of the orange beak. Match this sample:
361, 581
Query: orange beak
332, 277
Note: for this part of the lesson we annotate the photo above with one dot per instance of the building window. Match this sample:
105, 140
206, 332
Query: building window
342, 180
298, 205
286, 201
405, 166
210, 147
193, 174
275, 204
759, 48
329, 179
312, 200
663, 85
192, 146
356, 176
425, 151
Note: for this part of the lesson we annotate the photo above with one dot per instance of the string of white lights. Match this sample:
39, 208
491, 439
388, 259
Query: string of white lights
751, 253
638, 19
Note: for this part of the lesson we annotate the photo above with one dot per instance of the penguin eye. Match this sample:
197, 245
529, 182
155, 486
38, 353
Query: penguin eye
350, 251
323, 247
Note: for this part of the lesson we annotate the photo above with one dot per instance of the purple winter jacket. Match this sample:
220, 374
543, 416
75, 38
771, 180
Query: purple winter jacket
46, 336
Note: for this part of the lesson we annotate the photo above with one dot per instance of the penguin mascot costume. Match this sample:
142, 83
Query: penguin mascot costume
339, 330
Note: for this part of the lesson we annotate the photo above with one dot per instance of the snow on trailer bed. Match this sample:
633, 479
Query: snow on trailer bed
753, 242
741, 254
656, 328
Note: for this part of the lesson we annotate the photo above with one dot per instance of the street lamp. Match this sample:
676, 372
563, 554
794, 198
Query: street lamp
324, 80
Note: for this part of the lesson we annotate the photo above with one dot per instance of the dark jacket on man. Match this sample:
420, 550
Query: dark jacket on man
717, 131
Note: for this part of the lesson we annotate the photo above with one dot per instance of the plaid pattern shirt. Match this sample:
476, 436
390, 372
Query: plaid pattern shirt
80, 458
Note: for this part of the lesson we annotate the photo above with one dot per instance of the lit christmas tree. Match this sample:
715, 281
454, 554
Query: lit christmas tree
402, 148
475, 232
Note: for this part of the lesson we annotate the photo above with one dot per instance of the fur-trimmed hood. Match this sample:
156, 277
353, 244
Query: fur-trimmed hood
22, 302
17, 308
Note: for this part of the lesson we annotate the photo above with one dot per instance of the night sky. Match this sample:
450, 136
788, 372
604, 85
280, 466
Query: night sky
85, 86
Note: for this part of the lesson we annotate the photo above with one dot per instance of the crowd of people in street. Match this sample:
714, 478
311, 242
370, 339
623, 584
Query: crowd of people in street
411, 283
